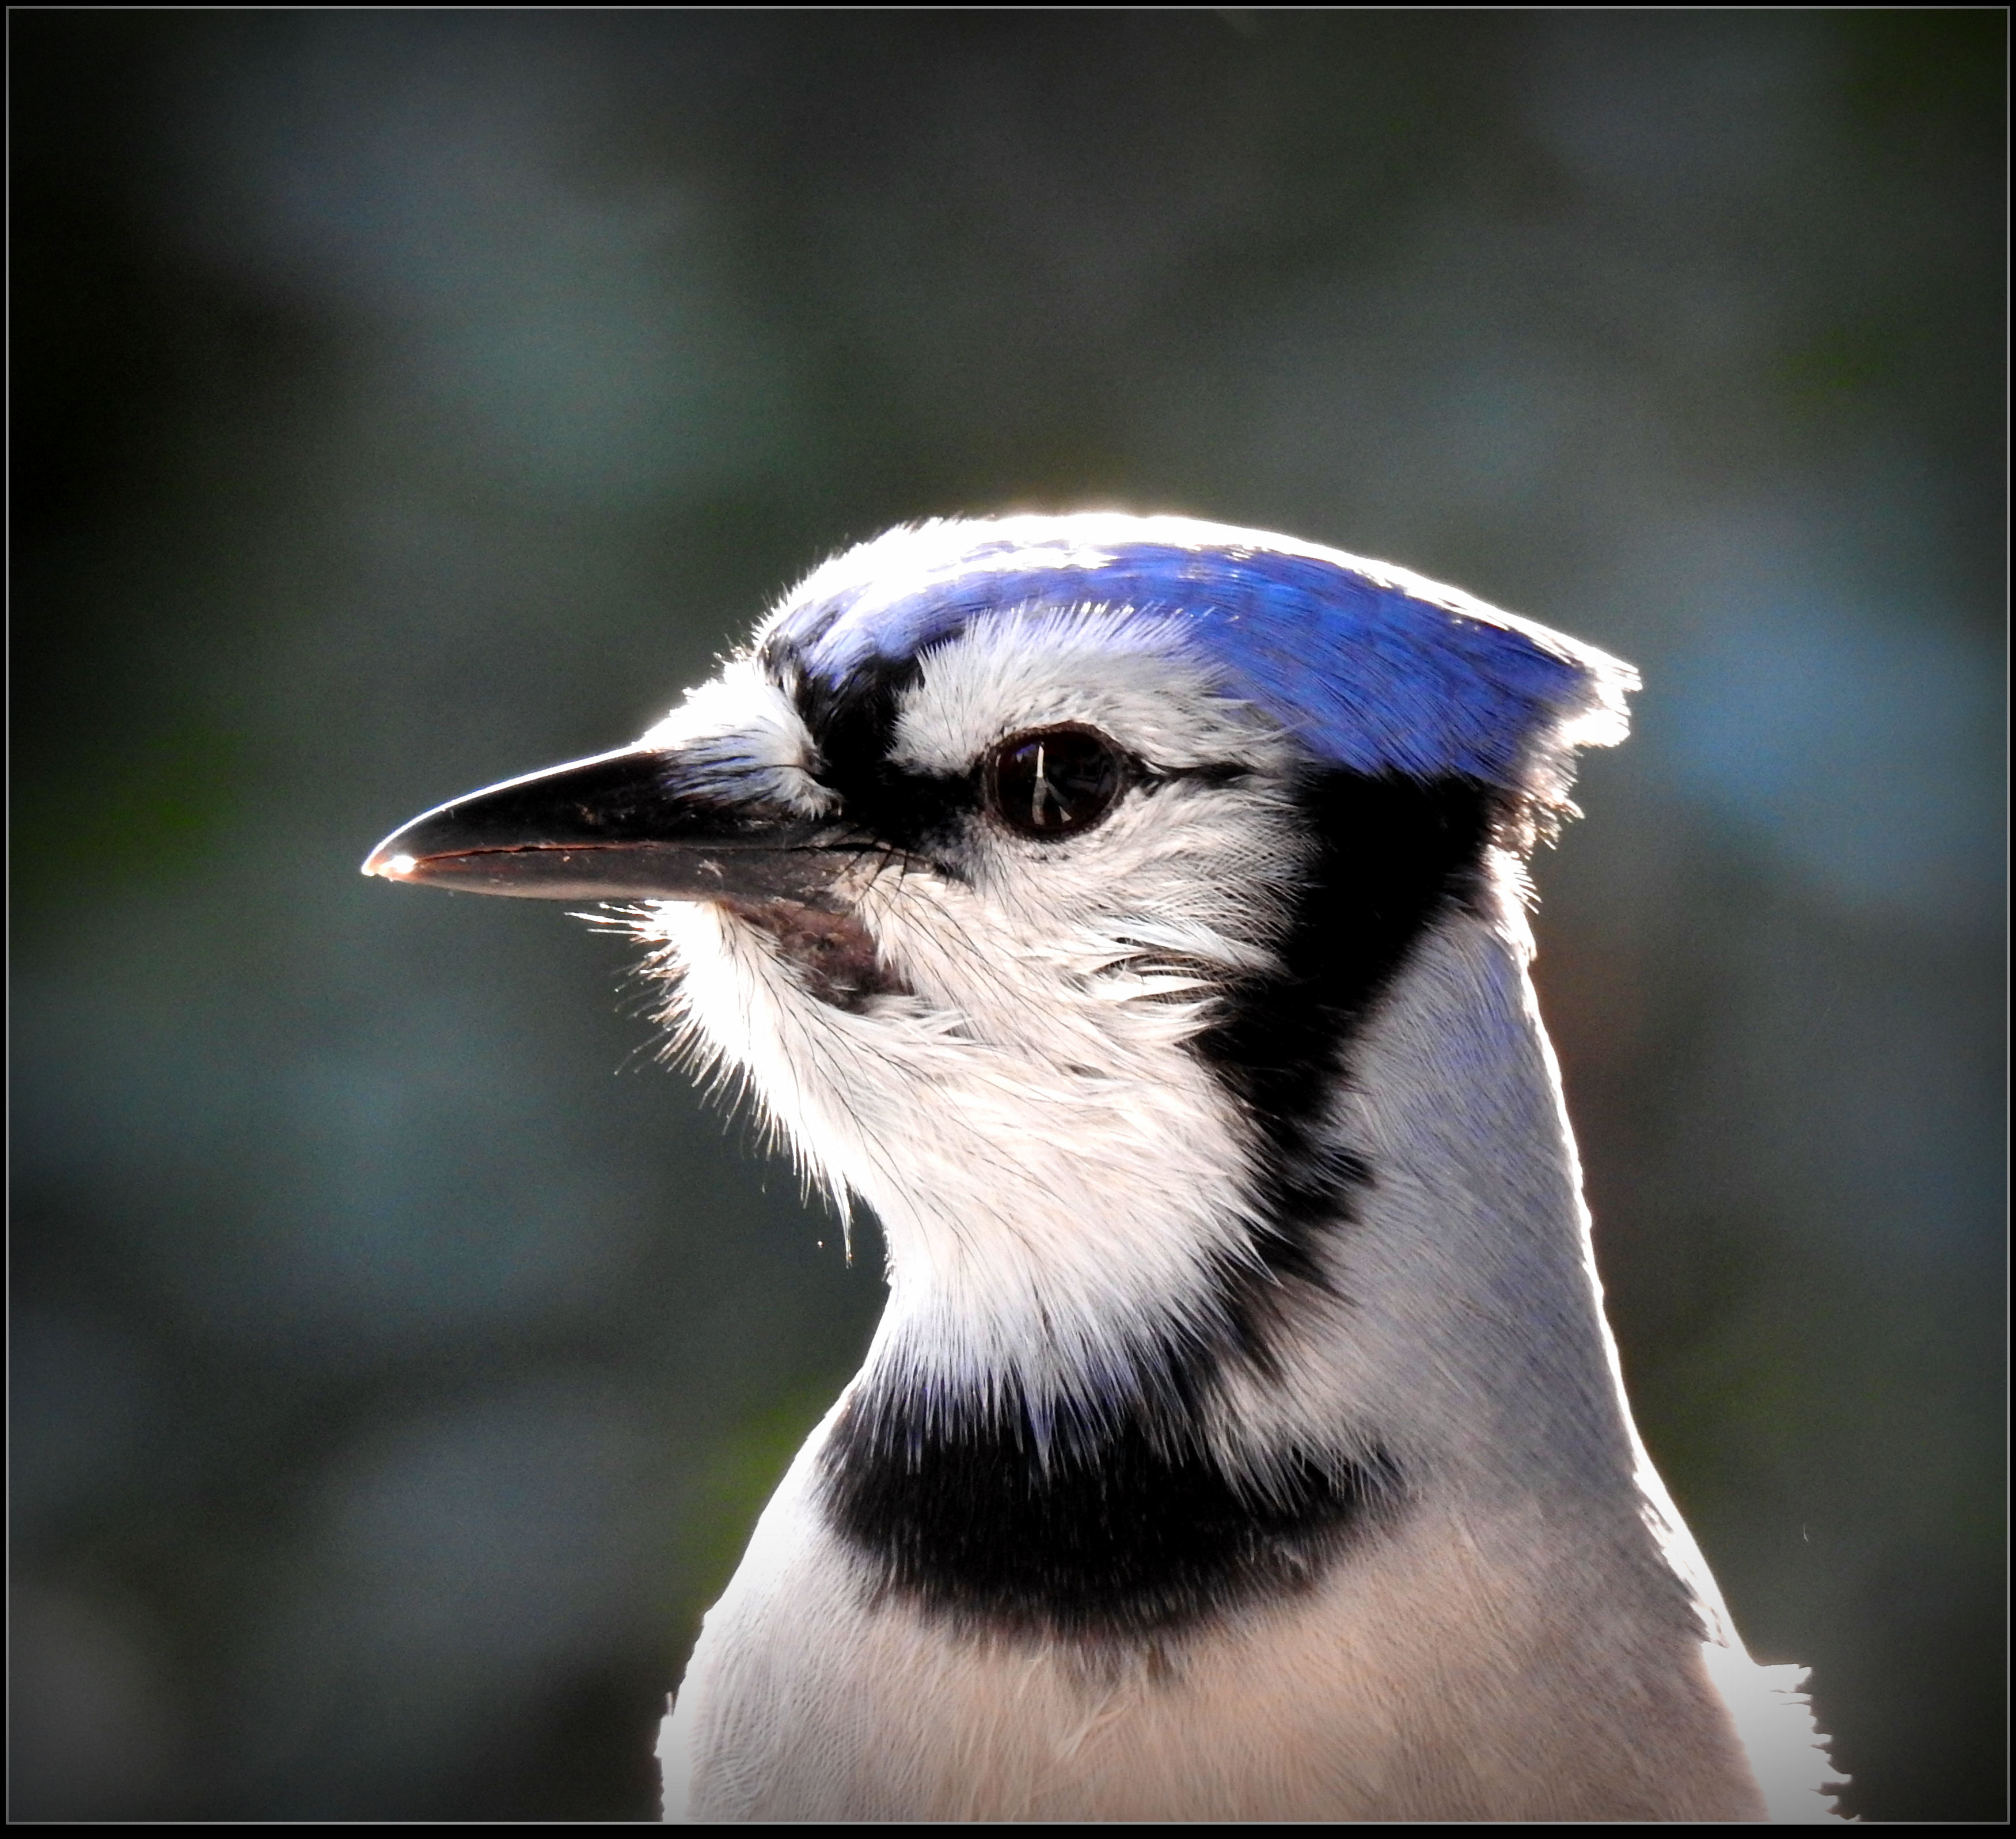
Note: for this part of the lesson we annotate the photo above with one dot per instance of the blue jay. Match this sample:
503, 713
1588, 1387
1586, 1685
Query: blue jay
1132, 912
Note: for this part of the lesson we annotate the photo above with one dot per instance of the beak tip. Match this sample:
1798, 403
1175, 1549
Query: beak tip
394, 868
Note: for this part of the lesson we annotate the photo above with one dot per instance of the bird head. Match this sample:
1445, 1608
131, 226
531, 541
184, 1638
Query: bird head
1034, 873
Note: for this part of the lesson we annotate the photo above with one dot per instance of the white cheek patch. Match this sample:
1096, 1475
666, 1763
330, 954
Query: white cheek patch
748, 730
1060, 1176
1125, 673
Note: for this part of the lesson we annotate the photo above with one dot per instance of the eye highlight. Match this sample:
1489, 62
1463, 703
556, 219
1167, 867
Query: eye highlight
1054, 782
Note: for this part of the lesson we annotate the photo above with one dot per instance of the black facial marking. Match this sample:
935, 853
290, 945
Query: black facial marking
1117, 1532
1391, 853
853, 725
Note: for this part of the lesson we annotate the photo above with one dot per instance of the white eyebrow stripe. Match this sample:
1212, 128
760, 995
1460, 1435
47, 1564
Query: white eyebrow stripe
1128, 675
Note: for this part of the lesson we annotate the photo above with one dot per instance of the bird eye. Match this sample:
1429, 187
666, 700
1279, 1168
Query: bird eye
1054, 782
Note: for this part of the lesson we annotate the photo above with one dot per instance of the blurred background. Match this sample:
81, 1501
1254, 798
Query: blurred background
400, 1352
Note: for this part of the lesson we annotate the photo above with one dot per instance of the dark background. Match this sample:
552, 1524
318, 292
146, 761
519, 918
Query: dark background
405, 400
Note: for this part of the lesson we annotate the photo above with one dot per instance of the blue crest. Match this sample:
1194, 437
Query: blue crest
1373, 669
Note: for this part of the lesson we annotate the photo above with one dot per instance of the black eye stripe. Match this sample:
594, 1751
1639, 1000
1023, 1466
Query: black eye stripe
853, 726
852, 723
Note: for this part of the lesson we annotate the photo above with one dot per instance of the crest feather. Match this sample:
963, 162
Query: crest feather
1370, 667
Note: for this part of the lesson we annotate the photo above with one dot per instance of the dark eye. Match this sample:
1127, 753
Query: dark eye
1054, 782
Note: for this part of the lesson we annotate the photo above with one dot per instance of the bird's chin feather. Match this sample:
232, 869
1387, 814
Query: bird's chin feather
833, 955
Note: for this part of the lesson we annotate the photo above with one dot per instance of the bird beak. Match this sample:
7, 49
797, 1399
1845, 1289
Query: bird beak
647, 823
